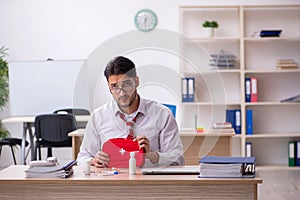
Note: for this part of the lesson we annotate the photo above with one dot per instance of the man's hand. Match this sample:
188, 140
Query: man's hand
100, 160
143, 142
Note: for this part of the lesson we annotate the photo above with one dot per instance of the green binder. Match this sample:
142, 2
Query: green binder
292, 152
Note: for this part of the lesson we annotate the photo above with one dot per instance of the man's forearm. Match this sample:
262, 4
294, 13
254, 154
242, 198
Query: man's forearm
153, 157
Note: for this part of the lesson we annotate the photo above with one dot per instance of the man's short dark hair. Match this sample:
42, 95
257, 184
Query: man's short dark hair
120, 65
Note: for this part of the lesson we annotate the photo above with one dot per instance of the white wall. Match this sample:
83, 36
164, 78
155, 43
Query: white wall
73, 29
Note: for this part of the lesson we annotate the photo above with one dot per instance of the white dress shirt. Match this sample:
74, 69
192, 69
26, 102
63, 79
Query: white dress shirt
155, 121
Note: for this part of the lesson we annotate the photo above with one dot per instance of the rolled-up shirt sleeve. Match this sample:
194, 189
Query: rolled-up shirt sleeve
171, 150
163, 136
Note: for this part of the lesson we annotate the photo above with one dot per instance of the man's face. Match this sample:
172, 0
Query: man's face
123, 89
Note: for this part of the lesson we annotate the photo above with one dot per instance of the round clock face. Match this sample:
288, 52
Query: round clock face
145, 20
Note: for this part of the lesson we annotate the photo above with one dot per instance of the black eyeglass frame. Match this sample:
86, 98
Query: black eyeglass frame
126, 87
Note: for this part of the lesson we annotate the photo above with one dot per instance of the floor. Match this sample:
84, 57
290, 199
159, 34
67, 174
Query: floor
279, 184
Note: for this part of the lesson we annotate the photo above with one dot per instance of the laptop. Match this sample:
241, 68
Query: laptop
171, 170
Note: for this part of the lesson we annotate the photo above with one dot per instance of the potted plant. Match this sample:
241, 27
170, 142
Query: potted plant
3, 87
210, 26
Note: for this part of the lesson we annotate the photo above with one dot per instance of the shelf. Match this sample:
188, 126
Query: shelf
274, 135
237, 136
215, 70
204, 134
224, 70
210, 39
213, 8
210, 104
274, 122
276, 167
272, 103
272, 39
270, 71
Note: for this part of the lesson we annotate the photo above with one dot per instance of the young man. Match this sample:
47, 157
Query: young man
154, 126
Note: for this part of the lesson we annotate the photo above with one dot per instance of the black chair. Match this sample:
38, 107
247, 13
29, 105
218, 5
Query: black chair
74, 111
51, 130
12, 142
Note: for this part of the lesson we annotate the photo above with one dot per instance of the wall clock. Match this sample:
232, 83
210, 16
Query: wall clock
145, 20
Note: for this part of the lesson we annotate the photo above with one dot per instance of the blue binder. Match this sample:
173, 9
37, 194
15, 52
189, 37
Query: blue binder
238, 129
184, 89
234, 117
297, 154
249, 122
248, 149
188, 89
227, 160
230, 117
248, 89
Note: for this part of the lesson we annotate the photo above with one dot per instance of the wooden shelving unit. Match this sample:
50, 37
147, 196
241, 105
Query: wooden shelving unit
274, 123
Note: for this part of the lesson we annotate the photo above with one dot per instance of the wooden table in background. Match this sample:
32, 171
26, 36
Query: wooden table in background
14, 186
77, 137
195, 145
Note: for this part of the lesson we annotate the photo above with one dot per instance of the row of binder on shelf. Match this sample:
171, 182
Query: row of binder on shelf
188, 89
251, 89
251, 92
294, 153
234, 117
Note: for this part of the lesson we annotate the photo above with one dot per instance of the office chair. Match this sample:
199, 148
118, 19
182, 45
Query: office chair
52, 130
74, 111
12, 142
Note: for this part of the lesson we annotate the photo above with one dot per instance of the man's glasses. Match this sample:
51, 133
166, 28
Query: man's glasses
126, 87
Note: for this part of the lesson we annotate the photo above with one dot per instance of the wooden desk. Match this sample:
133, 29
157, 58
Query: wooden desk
28, 124
13, 185
195, 145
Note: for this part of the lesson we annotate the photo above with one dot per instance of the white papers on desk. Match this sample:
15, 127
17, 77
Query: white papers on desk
55, 174
227, 166
221, 170
50, 171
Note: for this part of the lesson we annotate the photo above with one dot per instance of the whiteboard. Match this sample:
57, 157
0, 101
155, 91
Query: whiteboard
40, 87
